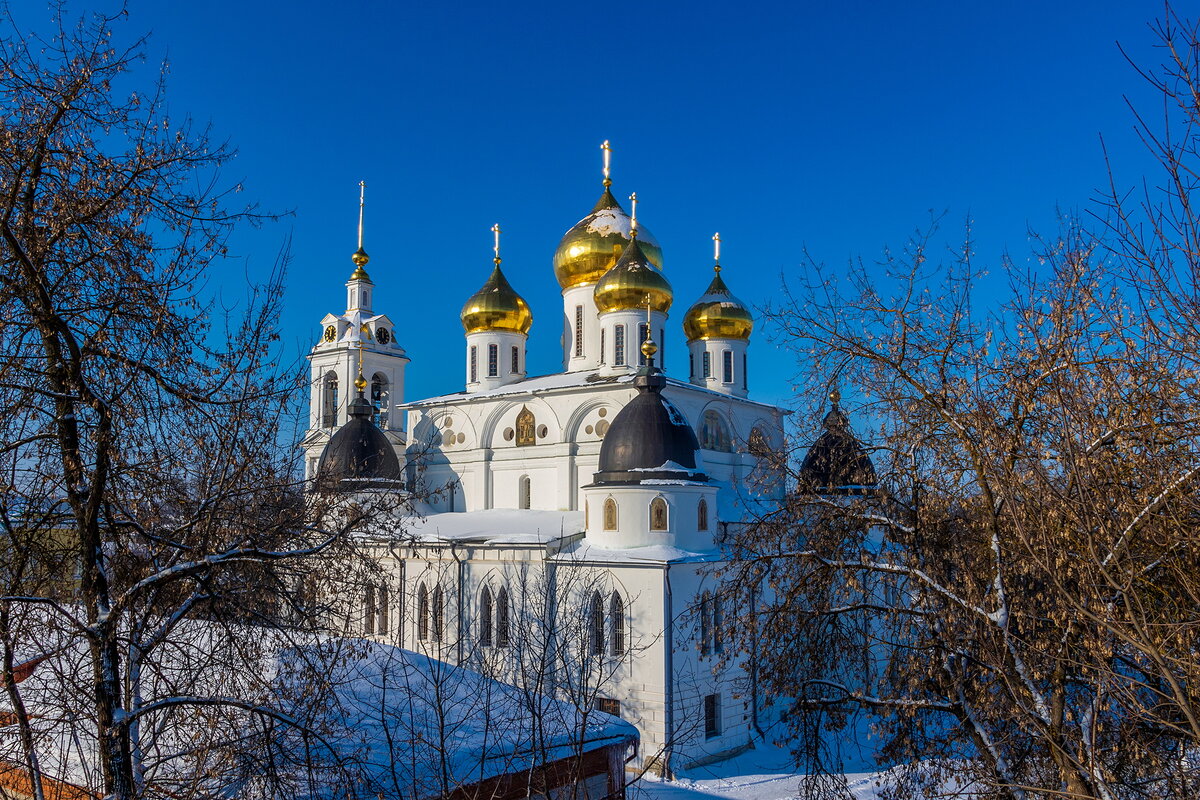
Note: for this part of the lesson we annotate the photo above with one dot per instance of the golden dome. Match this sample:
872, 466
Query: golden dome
496, 307
627, 284
592, 247
718, 314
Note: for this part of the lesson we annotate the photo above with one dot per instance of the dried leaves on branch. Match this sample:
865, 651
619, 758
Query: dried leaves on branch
1016, 608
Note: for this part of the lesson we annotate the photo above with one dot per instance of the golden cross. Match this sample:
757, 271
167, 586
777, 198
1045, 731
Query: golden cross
362, 191
607, 160
717, 248
633, 216
496, 246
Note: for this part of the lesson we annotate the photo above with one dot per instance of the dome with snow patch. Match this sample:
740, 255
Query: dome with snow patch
649, 439
592, 247
837, 463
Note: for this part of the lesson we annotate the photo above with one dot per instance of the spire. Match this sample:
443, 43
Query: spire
360, 257
607, 161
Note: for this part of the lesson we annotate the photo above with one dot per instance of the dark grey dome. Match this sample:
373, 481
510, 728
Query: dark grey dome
837, 463
649, 439
359, 455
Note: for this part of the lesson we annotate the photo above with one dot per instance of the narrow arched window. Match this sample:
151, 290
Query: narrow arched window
658, 514
369, 611
379, 398
485, 617
525, 491
702, 515
502, 618
610, 514
329, 400
596, 625
422, 612
439, 608
705, 623
616, 625
382, 608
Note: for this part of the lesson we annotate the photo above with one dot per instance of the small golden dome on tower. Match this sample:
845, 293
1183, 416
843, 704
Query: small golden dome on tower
718, 314
496, 307
592, 247
634, 278
360, 259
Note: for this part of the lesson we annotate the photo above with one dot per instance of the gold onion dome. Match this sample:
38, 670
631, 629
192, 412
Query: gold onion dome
496, 307
360, 259
718, 314
592, 247
631, 281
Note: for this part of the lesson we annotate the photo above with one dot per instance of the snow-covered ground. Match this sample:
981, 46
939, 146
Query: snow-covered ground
764, 773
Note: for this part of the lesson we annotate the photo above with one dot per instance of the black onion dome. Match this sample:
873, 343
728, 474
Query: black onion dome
837, 463
649, 439
359, 455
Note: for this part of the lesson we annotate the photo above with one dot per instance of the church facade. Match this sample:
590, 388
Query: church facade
561, 531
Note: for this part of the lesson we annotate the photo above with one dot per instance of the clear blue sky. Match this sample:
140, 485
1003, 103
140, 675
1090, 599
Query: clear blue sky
834, 127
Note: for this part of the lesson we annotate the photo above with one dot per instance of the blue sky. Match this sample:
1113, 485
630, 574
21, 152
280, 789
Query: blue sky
835, 127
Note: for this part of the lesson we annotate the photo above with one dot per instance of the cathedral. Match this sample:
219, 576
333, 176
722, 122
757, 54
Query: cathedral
575, 517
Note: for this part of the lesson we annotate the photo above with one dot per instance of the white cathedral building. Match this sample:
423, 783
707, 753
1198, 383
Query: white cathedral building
596, 496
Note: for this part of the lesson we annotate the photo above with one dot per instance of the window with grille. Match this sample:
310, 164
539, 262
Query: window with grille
502, 637
578, 331
602, 354
712, 715
608, 705
596, 625
379, 398
727, 366
485, 617
382, 607
493, 360
516, 360
329, 400
619, 345
744, 385
616, 625
707, 364
474, 364
439, 610
422, 612
369, 611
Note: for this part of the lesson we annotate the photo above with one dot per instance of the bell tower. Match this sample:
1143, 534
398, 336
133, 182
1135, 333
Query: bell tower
357, 333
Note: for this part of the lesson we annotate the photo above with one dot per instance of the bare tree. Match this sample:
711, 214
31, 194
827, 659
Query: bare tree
1015, 606
152, 517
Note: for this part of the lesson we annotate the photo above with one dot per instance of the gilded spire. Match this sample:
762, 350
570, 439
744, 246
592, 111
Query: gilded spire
360, 257
633, 231
607, 162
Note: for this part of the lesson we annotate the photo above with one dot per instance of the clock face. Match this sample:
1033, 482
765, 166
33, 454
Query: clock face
330, 333
383, 336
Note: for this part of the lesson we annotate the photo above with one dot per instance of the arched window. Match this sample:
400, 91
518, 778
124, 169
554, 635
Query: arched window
705, 623
493, 360
525, 490
619, 345
329, 400
658, 514
422, 612
714, 432
502, 618
379, 398
526, 427
439, 609
369, 611
382, 607
616, 625
596, 625
485, 617
610, 514
702, 515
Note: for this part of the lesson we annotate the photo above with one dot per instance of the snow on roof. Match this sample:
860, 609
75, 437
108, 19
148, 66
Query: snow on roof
540, 383
373, 714
426, 727
585, 551
496, 526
